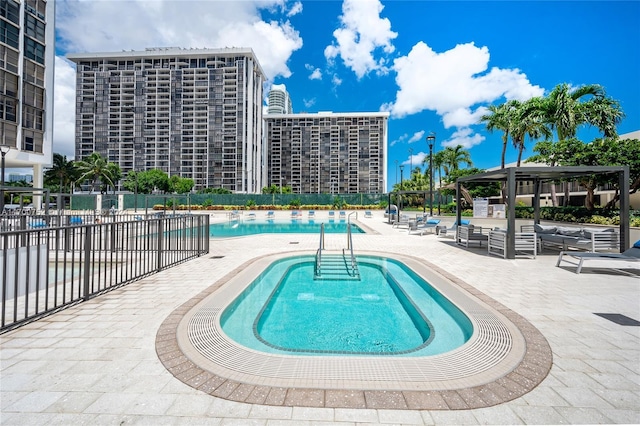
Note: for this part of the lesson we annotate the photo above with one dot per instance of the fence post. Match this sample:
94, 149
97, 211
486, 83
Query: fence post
160, 241
87, 261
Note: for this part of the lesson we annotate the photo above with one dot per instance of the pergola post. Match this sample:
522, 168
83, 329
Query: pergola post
537, 188
458, 210
511, 216
625, 236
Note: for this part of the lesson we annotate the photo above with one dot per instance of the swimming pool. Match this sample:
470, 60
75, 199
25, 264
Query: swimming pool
239, 228
495, 347
388, 311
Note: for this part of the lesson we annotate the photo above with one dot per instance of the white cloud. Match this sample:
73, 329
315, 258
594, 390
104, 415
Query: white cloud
417, 136
337, 81
400, 139
362, 33
308, 103
465, 137
452, 82
295, 9
64, 107
101, 26
316, 73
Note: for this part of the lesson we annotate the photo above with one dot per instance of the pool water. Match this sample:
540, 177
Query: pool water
238, 228
389, 311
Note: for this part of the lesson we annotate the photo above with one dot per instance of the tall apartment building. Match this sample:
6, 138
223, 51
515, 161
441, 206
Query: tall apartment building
195, 113
279, 100
27, 57
327, 152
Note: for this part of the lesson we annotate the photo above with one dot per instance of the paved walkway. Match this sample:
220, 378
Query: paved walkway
96, 363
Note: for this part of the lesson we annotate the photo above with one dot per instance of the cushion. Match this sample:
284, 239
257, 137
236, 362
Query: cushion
544, 229
569, 232
465, 221
433, 221
637, 244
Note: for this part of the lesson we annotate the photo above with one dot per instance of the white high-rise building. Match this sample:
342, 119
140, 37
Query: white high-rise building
279, 100
27, 57
334, 153
195, 113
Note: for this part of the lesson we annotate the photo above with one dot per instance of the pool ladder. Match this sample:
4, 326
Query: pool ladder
336, 265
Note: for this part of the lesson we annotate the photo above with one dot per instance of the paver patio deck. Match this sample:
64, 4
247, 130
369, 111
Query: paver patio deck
96, 363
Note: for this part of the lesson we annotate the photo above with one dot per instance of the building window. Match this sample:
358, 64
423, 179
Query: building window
34, 50
34, 28
9, 34
10, 10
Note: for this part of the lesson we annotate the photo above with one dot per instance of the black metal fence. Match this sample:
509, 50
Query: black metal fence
47, 268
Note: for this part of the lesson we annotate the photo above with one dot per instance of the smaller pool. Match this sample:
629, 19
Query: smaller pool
239, 228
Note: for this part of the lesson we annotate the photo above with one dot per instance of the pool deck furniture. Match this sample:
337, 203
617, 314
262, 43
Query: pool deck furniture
271, 214
450, 230
342, 215
368, 214
402, 221
526, 243
311, 214
251, 216
332, 214
295, 214
468, 234
630, 255
423, 225
566, 237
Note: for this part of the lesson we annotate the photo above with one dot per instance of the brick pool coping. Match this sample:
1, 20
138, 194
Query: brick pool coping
529, 372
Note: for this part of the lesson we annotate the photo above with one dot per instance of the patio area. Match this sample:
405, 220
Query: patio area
96, 362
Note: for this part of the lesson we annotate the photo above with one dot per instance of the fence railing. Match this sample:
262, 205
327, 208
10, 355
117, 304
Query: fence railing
45, 269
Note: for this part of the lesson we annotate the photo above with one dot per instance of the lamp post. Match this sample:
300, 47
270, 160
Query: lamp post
4, 149
396, 161
410, 163
401, 188
430, 140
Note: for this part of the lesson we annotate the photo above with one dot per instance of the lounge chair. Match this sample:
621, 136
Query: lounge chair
251, 216
343, 215
402, 221
630, 255
295, 214
332, 215
311, 214
443, 231
271, 214
368, 214
421, 226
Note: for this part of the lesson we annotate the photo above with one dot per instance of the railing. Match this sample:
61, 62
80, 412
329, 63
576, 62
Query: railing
320, 248
50, 268
354, 264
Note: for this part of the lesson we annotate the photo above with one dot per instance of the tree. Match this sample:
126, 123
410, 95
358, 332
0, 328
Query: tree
499, 118
527, 120
564, 112
62, 173
453, 157
275, 189
95, 168
180, 185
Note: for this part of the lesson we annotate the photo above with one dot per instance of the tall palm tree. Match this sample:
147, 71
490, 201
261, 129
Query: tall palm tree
94, 168
453, 157
499, 118
564, 111
62, 173
527, 120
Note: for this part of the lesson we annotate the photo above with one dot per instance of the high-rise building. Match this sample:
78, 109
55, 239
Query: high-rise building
194, 113
279, 100
327, 152
27, 57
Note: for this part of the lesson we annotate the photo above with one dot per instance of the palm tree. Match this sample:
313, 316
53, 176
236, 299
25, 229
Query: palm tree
527, 120
499, 118
452, 157
564, 112
95, 168
61, 173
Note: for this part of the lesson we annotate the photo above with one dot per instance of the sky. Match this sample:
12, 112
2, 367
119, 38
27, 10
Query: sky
435, 66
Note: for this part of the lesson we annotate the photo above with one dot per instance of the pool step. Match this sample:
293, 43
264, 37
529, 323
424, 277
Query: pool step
336, 266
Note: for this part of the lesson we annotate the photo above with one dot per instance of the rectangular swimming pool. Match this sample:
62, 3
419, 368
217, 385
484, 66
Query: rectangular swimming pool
239, 228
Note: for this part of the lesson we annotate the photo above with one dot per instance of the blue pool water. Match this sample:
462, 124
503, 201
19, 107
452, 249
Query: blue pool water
390, 311
238, 228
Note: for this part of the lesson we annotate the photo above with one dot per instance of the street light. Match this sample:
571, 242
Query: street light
410, 163
400, 203
430, 140
396, 161
4, 149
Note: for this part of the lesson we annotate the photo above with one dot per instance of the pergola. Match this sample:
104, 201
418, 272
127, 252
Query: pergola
539, 175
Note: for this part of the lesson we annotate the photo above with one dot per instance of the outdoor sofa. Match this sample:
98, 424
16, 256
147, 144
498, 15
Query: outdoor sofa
565, 237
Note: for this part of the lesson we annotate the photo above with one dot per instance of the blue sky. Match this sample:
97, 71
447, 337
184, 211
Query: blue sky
434, 65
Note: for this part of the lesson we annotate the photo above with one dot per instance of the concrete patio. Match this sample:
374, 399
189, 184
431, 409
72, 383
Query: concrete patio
96, 363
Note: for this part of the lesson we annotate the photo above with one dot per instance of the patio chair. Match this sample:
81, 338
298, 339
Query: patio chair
332, 215
295, 214
311, 214
402, 221
271, 214
251, 216
367, 213
443, 231
343, 215
630, 255
422, 226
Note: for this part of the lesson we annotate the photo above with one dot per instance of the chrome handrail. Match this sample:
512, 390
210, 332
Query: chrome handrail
320, 248
354, 265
